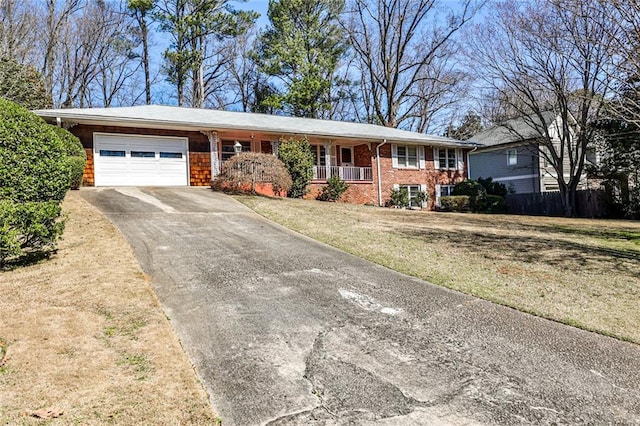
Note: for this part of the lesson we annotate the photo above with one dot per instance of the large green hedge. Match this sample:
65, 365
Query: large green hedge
34, 178
33, 163
76, 156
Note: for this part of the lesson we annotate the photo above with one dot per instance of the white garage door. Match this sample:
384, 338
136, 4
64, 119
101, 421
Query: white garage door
132, 160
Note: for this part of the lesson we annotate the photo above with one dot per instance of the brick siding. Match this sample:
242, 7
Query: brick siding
358, 192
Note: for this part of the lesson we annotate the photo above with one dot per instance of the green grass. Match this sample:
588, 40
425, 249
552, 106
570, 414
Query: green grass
585, 273
138, 363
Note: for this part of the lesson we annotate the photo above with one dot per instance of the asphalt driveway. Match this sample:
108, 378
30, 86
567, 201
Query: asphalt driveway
284, 330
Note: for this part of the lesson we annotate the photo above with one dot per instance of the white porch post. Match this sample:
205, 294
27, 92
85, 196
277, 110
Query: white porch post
327, 159
274, 147
213, 145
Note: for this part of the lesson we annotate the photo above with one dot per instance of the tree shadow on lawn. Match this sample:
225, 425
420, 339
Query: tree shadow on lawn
542, 249
28, 259
595, 228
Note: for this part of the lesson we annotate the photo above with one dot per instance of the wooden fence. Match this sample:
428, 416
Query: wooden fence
589, 204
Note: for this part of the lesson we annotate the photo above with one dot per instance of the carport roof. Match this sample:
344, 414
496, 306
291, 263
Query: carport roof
161, 116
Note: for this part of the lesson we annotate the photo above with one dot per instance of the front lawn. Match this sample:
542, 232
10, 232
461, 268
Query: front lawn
581, 272
85, 335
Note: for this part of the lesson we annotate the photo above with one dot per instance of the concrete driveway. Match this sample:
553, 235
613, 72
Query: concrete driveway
284, 330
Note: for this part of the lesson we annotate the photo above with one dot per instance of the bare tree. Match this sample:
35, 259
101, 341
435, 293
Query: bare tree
401, 45
95, 55
18, 19
117, 76
55, 19
242, 75
441, 86
625, 37
141, 10
549, 61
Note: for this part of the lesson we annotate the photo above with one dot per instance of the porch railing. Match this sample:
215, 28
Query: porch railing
353, 174
344, 172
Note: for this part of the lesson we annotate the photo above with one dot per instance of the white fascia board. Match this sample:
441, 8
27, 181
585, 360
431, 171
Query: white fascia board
504, 147
386, 134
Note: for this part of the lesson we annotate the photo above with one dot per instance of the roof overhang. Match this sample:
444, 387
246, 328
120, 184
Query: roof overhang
174, 118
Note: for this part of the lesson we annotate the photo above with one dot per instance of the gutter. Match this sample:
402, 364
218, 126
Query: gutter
379, 173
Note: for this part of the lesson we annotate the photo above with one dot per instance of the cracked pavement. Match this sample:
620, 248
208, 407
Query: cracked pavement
283, 330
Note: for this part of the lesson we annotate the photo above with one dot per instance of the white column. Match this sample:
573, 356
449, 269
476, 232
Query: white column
327, 158
275, 145
213, 144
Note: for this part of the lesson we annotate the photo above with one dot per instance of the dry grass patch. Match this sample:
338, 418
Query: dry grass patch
85, 334
581, 272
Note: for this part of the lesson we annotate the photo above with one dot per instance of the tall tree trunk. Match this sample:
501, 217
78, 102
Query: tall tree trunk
145, 56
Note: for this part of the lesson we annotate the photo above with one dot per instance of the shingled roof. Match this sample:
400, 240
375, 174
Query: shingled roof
171, 117
515, 130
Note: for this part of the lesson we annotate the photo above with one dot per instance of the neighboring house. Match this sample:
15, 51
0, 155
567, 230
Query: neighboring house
510, 154
172, 146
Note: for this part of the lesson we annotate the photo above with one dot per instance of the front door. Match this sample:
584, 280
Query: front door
346, 156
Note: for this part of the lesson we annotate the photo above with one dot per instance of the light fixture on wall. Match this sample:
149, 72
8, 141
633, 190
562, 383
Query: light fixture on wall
237, 147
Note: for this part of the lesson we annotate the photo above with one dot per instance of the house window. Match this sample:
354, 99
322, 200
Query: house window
447, 159
319, 155
228, 150
407, 156
413, 191
512, 157
443, 191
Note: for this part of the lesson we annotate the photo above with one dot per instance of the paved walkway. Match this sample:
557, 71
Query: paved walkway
284, 330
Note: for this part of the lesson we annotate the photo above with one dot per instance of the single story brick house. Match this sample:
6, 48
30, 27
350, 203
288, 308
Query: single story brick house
158, 145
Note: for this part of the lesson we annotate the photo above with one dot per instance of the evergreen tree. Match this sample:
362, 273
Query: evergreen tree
23, 85
196, 27
471, 125
301, 50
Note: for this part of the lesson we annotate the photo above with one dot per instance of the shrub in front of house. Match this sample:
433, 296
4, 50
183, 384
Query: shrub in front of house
493, 204
34, 178
474, 190
480, 200
421, 198
297, 157
493, 188
455, 203
333, 190
28, 229
243, 172
76, 156
399, 198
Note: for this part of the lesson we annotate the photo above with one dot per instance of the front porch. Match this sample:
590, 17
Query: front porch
346, 173
322, 173
350, 162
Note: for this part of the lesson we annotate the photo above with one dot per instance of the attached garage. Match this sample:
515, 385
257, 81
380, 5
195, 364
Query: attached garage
136, 160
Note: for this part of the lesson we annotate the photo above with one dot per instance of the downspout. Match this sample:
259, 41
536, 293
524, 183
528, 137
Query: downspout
475, 148
379, 173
